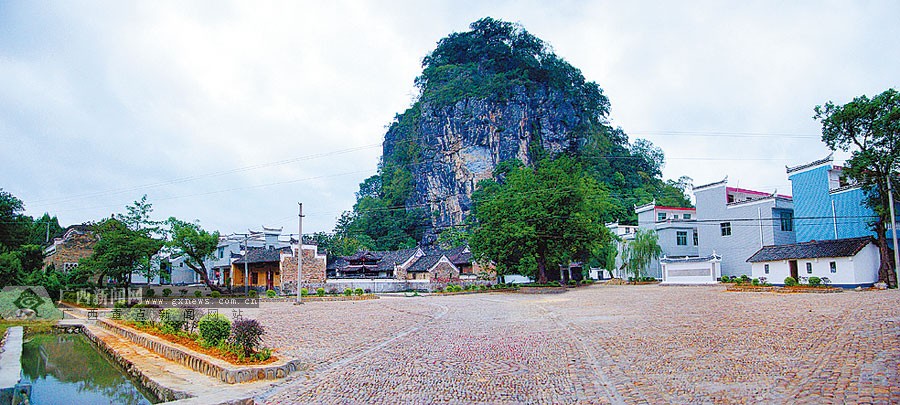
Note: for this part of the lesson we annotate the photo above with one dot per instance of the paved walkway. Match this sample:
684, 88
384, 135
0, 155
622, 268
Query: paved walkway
600, 344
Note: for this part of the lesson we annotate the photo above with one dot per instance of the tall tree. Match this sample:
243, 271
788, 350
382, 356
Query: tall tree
870, 130
533, 218
14, 227
640, 251
196, 244
119, 251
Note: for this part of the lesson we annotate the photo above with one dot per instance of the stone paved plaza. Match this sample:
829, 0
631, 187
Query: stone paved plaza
599, 344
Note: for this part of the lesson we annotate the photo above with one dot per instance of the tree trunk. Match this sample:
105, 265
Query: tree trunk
542, 269
203, 275
886, 271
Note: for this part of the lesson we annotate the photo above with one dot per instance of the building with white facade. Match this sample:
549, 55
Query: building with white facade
676, 228
850, 262
734, 223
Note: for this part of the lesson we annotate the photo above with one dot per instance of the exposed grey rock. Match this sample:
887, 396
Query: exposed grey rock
462, 144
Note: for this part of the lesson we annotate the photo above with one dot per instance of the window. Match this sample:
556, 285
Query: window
674, 216
726, 228
686, 216
67, 267
696, 239
730, 198
221, 252
833, 266
766, 269
808, 268
681, 238
787, 221
660, 216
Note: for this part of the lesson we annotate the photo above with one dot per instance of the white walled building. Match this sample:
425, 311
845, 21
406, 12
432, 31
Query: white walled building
849, 262
691, 270
676, 228
736, 222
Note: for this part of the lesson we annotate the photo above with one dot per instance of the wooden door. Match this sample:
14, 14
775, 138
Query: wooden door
794, 273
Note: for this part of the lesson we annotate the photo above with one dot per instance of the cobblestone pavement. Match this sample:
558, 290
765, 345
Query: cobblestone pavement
599, 344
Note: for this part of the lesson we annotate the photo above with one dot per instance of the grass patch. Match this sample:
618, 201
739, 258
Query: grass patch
31, 327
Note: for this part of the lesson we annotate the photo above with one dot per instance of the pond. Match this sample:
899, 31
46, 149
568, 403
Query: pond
68, 369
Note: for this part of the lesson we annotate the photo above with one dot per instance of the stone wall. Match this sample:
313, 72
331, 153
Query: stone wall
443, 270
313, 269
73, 249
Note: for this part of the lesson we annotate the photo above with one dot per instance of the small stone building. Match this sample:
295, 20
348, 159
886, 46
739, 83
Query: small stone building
76, 243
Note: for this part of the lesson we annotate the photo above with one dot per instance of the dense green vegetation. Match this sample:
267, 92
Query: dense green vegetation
21, 240
870, 130
498, 61
530, 220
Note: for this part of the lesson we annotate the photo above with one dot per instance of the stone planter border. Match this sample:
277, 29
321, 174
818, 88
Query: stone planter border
316, 298
440, 294
201, 363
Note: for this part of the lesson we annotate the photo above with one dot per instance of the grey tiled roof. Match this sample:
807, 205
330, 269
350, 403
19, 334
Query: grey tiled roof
810, 250
389, 259
262, 255
424, 263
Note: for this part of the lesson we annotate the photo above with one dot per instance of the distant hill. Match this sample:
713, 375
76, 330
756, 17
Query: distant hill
489, 95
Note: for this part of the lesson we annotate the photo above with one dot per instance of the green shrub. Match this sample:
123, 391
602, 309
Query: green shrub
198, 293
215, 294
755, 281
214, 328
167, 292
320, 292
790, 281
246, 335
815, 281
358, 291
149, 293
252, 293
173, 318
572, 282
183, 291
744, 278
271, 293
725, 279
348, 292
304, 292
439, 290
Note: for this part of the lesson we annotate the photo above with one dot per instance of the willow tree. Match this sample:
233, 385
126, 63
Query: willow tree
641, 251
870, 130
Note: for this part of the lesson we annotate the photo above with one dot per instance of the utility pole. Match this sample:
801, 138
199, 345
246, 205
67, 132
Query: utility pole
894, 229
300, 255
47, 240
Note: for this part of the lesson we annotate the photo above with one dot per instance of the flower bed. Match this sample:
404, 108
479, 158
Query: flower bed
808, 289
749, 288
191, 341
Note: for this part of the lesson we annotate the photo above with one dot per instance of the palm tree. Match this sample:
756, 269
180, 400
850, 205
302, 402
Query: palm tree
641, 251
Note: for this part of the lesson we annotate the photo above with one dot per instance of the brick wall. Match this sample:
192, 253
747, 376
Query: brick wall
313, 269
73, 249
444, 270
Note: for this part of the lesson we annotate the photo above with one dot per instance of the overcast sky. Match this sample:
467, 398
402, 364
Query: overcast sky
231, 113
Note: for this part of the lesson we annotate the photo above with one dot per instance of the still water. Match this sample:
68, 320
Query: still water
68, 369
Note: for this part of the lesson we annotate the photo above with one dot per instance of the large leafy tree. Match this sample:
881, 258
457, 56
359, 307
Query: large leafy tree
196, 244
640, 251
119, 251
870, 130
14, 227
529, 220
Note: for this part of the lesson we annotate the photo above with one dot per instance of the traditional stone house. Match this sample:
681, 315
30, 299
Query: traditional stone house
313, 268
76, 243
410, 264
850, 262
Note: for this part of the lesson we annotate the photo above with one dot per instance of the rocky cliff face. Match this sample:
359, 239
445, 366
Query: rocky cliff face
460, 144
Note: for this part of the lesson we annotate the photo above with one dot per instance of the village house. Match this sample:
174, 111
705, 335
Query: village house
272, 266
676, 228
409, 264
827, 204
849, 262
735, 222
76, 243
